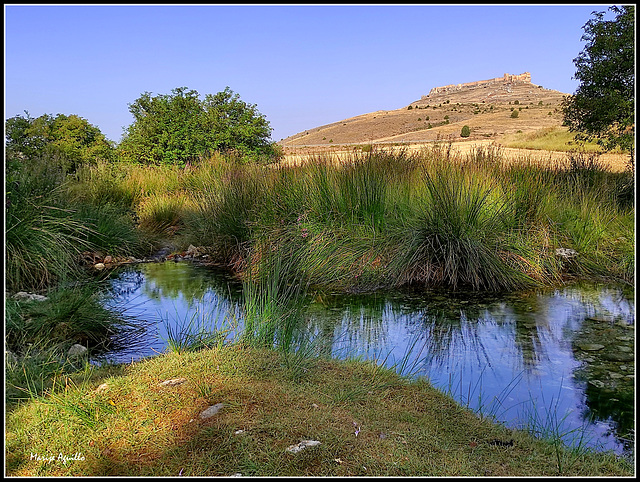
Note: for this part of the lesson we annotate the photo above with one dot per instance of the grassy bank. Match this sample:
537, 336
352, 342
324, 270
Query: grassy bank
369, 422
386, 219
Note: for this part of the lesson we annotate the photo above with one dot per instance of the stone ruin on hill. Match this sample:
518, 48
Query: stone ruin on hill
524, 78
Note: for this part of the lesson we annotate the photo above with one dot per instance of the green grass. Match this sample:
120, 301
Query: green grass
368, 420
550, 139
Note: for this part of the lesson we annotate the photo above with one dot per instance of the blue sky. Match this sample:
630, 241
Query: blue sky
302, 65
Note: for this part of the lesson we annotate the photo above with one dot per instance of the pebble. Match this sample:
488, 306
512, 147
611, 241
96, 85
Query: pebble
211, 411
302, 445
172, 382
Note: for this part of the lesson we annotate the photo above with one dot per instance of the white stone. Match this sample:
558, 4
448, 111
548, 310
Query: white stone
172, 382
302, 445
566, 253
211, 411
77, 350
23, 295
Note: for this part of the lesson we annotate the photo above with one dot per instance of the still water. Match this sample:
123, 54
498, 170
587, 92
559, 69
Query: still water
559, 360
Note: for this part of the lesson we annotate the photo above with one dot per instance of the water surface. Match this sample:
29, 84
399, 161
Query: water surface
557, 360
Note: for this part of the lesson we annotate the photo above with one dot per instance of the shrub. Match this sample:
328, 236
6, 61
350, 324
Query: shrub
514, 114
466, 132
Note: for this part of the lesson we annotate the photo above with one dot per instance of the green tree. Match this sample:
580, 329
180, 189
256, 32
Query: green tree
466, 132
602, 107
67, 141
514, 114
179, 128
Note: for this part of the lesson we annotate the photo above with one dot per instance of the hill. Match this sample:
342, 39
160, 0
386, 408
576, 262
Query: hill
485, 106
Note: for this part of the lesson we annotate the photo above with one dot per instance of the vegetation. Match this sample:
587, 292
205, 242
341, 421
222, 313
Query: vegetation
368, 420
552, 139
378, 220
465, 132
603, 107
180, 129
70, 141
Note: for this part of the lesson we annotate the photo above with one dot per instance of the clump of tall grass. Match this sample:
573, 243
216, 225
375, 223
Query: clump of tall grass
208, 326
455, 237
273, 299
223, 214
69, 315
43, 236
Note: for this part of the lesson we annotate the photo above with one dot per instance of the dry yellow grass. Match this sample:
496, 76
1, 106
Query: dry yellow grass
459, 149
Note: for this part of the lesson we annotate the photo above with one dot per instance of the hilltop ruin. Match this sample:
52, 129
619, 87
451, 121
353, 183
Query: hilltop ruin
524, 78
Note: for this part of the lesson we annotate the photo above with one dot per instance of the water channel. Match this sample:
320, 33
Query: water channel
556, 359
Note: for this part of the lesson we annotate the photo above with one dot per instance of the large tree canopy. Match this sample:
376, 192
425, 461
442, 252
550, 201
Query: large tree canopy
180, 128
68, 140
603, 105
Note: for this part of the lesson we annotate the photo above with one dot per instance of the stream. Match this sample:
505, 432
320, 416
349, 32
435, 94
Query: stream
558, 361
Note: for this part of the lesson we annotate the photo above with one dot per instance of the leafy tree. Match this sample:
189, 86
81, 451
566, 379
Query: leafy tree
67, 141
514, 114
602, 107
466, 132
179, 128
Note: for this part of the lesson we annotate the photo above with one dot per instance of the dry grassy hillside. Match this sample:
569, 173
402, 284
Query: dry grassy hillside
485, 109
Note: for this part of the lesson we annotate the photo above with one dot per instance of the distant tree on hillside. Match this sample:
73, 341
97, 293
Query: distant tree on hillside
180, 128
602, 107
466, 132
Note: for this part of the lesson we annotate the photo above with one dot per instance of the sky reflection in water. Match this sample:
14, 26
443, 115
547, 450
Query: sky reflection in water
527, 358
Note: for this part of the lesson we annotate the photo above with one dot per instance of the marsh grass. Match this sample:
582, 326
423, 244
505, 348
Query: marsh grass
208, 326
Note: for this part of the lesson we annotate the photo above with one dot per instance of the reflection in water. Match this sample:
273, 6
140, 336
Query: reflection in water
517, 357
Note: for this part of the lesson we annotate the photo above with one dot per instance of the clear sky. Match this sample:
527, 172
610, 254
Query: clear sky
302, 65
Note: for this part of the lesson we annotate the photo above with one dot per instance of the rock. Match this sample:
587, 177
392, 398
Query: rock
618, 357
173, 382
590, 347
302, 445
10, 357
77, 350
211, 411
597, 383
623, 348
99, 266
24, 296
192, 251
566, 253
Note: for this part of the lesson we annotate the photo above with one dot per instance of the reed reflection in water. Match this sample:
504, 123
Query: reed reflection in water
515, 357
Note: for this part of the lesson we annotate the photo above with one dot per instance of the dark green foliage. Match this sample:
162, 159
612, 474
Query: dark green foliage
465, 132
514, 114
180, 129
70, 141
603, 105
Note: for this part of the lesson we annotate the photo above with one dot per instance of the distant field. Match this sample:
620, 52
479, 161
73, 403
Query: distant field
511, 148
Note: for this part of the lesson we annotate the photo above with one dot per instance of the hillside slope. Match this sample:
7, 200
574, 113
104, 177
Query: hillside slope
484, 106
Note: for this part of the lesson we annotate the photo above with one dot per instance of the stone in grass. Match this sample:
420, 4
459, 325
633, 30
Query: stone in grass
294, 449
211, 411
10, 357
77, 350
173, 382
24, 296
